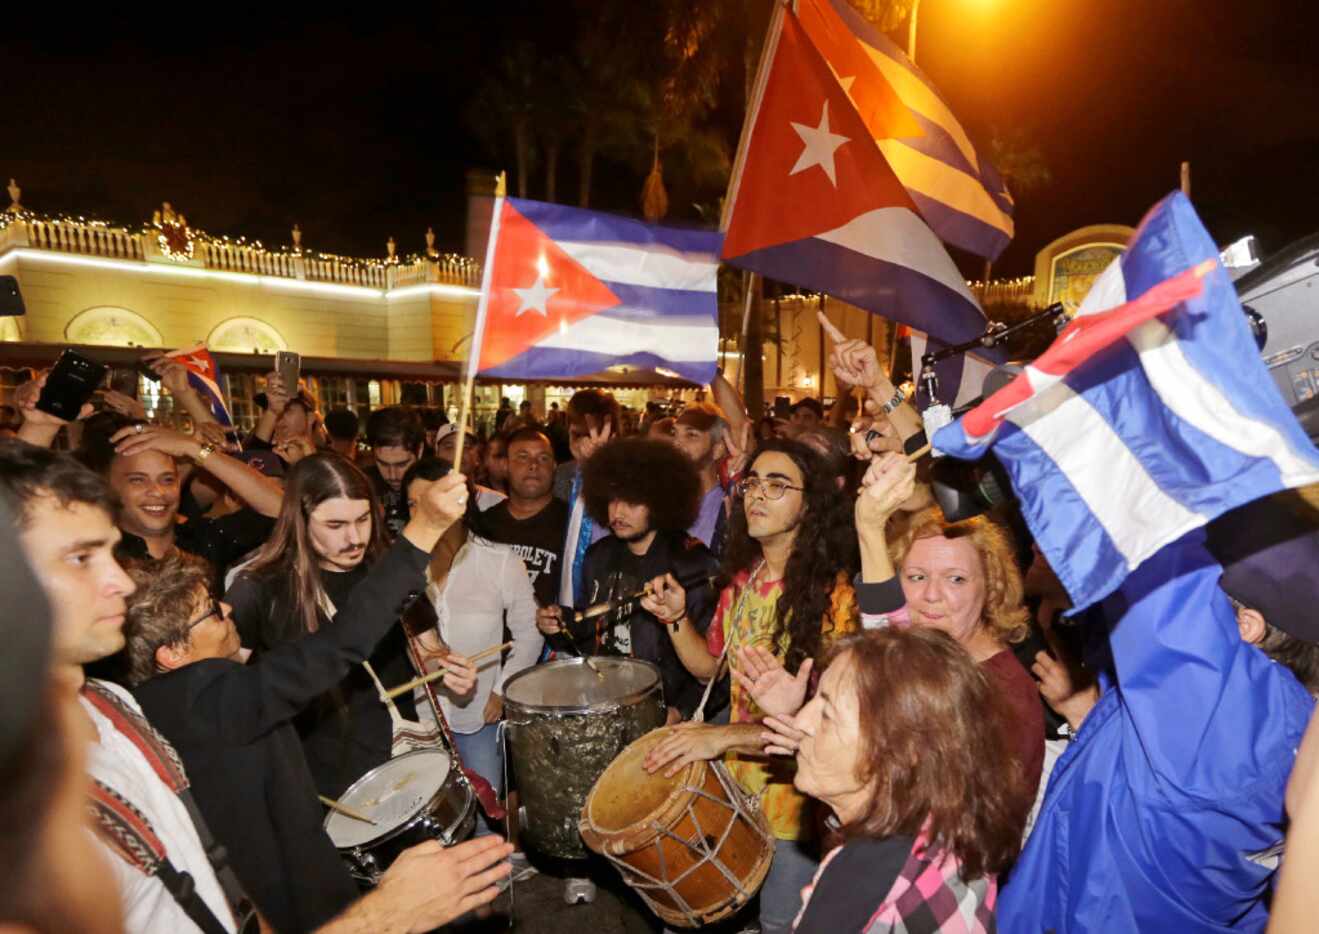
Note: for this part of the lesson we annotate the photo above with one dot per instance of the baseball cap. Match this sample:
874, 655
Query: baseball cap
701, 415
445, 431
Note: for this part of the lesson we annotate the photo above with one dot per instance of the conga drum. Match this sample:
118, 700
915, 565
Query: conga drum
695, 847
565, 723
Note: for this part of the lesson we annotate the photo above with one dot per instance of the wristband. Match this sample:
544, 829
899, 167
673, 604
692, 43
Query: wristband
891, 406
915, 443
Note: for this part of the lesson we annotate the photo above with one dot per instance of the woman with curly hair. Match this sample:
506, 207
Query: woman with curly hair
958, 577
789, 555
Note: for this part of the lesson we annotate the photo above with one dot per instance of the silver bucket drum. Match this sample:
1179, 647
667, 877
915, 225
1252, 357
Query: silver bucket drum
565, 725
412, 798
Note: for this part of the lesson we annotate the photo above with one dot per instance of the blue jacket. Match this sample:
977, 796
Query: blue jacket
1162, 813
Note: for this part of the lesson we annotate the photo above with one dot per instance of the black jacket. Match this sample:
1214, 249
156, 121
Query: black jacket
610, 571
346, 731
231, 724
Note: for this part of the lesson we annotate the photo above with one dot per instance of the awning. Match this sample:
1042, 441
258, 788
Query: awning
14, 354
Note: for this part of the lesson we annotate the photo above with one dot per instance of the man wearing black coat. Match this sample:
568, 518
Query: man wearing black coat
230, 722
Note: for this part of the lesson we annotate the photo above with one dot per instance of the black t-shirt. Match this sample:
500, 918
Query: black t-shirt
221, 541
538, 541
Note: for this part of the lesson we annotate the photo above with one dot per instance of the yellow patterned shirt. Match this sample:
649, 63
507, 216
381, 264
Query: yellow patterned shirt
746, 614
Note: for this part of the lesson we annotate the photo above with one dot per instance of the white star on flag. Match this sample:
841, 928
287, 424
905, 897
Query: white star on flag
845, 83
535, 298
820, 146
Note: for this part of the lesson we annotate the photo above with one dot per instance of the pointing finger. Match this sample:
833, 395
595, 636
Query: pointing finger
835, 335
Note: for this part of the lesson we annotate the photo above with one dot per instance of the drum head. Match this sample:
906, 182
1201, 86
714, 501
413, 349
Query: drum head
391, 795
569, 684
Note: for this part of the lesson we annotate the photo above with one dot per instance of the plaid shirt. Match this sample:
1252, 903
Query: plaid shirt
928, 896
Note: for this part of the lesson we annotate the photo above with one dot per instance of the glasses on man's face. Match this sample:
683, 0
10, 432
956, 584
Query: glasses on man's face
770, 487
215, 610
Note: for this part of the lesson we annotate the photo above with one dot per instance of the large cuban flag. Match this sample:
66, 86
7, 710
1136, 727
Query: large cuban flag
955, 188
1149, 416
813, 201
568, 292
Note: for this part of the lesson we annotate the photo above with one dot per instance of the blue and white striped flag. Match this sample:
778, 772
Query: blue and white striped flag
1151, 436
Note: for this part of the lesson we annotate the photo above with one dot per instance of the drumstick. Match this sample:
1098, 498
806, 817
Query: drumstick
345, 810
436, 675
914, 456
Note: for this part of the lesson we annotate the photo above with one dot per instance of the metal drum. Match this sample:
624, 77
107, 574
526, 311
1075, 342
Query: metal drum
412, 798
565, 724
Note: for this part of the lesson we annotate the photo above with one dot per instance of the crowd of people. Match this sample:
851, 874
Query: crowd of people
201, 631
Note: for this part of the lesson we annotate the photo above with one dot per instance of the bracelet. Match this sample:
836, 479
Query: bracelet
889, 407
203, 452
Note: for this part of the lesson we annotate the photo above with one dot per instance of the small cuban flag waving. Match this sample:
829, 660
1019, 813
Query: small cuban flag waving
567, 292
1150, 415
204, 376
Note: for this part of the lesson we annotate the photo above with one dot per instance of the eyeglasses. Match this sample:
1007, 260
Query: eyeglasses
771, 487
216, 610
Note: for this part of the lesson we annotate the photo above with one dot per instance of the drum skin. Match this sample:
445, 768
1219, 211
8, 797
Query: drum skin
678, 840
564, 726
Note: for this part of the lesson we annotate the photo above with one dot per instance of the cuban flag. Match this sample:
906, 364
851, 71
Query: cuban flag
955, 188
568, 292
1150, 415
812, 200
204, 376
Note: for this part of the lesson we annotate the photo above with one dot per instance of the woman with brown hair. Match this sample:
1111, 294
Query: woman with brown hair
928, 802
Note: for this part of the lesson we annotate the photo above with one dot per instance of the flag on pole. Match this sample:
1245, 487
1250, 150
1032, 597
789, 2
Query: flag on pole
1151, 414
204, 376
812, 200
567, 292
957, 191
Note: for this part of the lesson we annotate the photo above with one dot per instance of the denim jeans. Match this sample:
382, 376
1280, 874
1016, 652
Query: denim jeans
780, 896
480, 753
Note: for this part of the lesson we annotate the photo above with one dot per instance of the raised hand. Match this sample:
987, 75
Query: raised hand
853, 361
739, 443
874, 434
116, 401
768, 682
1070, 692
889, 481
596, 439
26, 398
277, 394
138, 438
173, 375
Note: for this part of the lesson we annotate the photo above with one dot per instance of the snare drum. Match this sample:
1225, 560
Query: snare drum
565, 724
412, 798
695, 847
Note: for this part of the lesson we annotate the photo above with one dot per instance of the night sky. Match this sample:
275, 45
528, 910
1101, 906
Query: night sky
357, 128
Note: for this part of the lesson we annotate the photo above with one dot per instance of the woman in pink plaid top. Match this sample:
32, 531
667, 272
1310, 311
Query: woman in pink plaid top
928, 802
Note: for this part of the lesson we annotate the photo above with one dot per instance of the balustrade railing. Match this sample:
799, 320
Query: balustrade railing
91, 238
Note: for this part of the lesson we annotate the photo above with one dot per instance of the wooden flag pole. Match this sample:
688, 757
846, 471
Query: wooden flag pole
478, 330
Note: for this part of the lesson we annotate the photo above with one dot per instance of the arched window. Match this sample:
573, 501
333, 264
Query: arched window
114, 327
245, 335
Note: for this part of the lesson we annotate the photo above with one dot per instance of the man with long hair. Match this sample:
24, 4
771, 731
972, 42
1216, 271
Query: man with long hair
790, 555
328, 534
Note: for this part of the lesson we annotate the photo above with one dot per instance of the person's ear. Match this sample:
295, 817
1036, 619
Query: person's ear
1251, 624
170, 657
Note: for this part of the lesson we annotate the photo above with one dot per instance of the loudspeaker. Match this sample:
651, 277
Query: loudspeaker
11, 299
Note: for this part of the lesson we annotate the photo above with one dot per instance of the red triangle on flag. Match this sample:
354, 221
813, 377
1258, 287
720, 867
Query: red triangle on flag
536, 288
811, 164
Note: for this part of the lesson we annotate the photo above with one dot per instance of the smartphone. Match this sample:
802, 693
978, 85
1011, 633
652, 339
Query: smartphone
124, 381
70, 385
146, 371
782, 407
289, 367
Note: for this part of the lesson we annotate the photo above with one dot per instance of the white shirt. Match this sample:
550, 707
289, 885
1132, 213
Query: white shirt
486, 587
148, 906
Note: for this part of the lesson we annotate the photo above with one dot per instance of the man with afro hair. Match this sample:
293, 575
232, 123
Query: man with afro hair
647, 493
